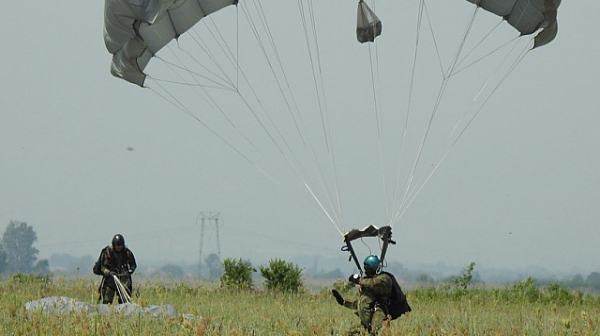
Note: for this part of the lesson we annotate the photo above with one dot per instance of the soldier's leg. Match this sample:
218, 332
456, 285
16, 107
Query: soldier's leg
378, 321
129, 287
108, 294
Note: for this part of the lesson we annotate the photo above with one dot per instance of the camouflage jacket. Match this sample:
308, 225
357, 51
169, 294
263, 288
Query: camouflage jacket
123, 263
372, 289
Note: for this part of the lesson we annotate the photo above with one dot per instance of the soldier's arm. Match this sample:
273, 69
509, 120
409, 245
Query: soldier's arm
132, 263
106, 266
351, 304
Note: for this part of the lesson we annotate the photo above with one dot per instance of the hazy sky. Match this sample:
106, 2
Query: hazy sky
85, 155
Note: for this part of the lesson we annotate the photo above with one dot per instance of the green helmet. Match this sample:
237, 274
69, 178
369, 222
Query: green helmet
371, 264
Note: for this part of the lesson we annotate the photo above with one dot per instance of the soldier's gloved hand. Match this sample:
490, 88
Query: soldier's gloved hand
338, 297
354, 278
113, 273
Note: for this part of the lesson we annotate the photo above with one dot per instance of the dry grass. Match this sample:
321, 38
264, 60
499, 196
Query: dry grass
223, 312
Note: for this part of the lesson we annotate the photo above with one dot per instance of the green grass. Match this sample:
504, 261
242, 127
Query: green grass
518, 310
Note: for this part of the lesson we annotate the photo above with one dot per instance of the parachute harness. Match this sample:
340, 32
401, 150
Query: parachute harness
384, 233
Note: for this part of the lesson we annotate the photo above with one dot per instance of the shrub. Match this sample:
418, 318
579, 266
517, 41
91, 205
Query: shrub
526, 291
464, 280
237, 274
282, 276
21, 278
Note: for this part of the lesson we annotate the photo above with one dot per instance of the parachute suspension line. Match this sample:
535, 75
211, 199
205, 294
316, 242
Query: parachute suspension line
378, 120
210, 100
175, 102
317, 74
461, 47
445, 80
477, 45
437, 49
215, 105
237, 48
374, 67
296, 167
318, 168
452, 143
194, 74
409, 103
290, 102
315, 65
225, 77
212, 57
224, 47
485, 56
221, 42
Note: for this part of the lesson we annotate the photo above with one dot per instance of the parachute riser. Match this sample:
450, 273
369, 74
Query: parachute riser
384, 233
386, 237
348, 247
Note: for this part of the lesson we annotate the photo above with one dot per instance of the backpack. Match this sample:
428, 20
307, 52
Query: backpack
97, 269
398, 304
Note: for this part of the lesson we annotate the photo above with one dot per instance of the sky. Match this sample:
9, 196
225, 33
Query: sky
85, 155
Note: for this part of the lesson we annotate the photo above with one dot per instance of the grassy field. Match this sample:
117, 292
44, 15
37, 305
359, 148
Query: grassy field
520, 309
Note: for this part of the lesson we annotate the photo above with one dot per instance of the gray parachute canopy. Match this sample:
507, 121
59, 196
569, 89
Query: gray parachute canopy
368, 25
135, 30
527, 16
66, 305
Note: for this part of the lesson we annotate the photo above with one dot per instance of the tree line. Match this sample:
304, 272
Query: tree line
17, 253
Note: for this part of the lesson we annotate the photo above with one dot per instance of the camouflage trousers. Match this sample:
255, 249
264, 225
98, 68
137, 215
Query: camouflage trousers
371, 323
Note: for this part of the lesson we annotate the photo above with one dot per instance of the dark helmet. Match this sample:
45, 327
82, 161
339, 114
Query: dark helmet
118, 239
371, 264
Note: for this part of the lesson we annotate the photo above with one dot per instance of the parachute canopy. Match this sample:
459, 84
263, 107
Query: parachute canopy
368, 25
527, 16
270, 86
135, 30
66, 305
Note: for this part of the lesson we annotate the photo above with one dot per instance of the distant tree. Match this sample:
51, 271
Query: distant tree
3, 264
577, 282
593, 281
214, 265
17, 244
425, 279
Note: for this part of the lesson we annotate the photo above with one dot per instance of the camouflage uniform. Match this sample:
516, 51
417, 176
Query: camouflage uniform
123, 264
370, 307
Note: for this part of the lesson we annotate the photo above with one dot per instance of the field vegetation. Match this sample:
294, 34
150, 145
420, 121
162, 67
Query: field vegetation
447, 309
